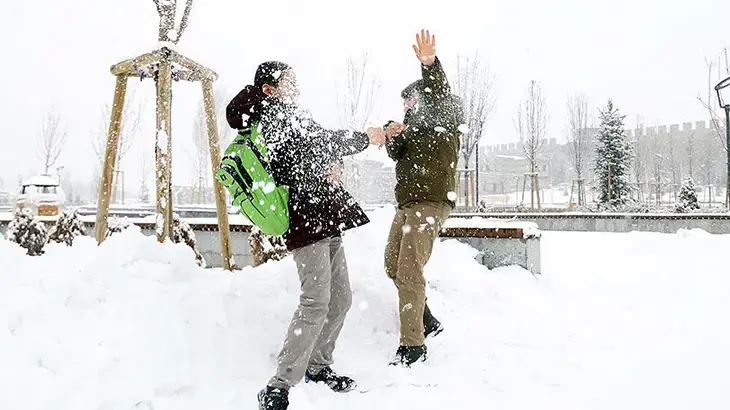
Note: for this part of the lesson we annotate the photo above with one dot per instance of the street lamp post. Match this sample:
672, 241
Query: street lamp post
723, 96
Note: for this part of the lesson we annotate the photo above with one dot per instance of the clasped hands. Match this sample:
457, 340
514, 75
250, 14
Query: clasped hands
381, 136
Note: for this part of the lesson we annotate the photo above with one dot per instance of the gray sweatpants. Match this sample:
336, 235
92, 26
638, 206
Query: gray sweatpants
323, 305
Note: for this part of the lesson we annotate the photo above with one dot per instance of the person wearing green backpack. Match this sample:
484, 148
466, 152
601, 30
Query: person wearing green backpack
282, 158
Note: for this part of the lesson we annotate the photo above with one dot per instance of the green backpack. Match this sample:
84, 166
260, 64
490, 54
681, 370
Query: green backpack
243, 171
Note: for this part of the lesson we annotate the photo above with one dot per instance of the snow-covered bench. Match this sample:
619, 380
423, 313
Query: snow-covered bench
499, 242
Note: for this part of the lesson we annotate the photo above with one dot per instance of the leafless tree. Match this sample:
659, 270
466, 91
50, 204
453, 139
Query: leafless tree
531, 123
356, 95
475, 87
131, 122
168, 10
674, 164
145, 168
200, 156
708, 103
690, 149
658, 166
578, 138
52, 139
641, 151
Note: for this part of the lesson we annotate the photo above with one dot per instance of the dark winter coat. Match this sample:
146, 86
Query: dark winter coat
427, 151
301, 152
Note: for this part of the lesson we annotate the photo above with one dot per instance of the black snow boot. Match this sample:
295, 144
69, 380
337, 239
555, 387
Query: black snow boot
407, 355
273, 398
431, 325
336, 382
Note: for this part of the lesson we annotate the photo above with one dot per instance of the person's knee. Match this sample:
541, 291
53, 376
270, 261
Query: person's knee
315, 304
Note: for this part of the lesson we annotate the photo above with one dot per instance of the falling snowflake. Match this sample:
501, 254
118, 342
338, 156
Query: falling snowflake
406, 229
269, 188
452, 196
430, 220
298, 331
463, 128
363, 305
439, 129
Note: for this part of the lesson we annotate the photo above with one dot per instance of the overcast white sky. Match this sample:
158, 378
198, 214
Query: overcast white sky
648, 55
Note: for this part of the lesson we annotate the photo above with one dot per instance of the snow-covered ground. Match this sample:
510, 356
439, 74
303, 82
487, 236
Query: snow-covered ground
617, 321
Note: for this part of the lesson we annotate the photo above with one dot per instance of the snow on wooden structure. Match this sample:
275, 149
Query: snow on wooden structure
163, 64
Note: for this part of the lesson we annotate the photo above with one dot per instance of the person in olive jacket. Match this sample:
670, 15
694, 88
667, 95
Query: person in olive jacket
305, 157
425, 148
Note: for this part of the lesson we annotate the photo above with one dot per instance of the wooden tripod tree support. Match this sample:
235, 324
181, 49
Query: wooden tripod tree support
534, 189
163, 65
581, 191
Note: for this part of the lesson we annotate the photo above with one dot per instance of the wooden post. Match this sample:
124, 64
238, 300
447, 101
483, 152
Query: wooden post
162, 150
215, 159
112, 146
472, 182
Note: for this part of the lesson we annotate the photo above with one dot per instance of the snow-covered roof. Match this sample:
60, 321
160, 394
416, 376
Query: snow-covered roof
510, 157
41, 180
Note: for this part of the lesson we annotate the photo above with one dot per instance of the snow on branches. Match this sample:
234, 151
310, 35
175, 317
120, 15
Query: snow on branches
68, 227
28, 232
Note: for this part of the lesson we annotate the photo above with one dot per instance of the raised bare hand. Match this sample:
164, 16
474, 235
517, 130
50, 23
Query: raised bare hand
425, 47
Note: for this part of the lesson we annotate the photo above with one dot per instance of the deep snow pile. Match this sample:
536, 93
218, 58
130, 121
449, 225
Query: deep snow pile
617, 321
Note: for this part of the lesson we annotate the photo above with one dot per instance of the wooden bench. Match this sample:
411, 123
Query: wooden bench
499, 242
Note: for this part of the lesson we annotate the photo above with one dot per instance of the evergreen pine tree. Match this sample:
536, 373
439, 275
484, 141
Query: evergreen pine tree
688, 197
613, 159
68, 227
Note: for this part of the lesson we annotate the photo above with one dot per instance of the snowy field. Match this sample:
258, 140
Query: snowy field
617, 321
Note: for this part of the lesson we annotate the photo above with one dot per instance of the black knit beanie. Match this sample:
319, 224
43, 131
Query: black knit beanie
269, 72
413, 90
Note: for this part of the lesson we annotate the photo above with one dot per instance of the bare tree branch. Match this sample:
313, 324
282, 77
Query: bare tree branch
131, 124
715, 119
357, 96
52, 139
578, 138
475, 87
531, 123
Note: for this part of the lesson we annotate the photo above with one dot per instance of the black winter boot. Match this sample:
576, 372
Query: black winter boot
273, 398
407, 355
340, 384
431, 325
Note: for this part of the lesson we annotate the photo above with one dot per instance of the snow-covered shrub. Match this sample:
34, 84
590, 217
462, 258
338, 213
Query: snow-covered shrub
116, 225
28, 232
183, 233
68, 227
687, 197
266, 248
